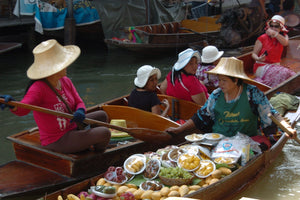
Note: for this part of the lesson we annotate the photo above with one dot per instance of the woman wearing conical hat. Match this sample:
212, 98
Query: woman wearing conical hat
52, 89
267, 53
236, 106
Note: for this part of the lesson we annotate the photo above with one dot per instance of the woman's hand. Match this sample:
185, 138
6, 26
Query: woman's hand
165, 102
271, 33
175, 130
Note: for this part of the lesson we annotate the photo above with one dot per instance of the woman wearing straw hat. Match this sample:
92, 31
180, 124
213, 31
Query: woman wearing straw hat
267, 53
209, 59
144, 96
181, 82
52, 89
236, 106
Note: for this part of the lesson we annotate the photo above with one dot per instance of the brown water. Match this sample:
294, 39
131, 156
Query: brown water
100, 75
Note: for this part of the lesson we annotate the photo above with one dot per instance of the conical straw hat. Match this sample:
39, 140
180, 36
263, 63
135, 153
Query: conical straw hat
231, 66
50, 57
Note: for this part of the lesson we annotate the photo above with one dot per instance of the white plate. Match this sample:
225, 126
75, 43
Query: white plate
185, 156
137, 157
213, 136
155, 182
116, 183
194, 137
205, 162
159, 165
178, 150
100, 194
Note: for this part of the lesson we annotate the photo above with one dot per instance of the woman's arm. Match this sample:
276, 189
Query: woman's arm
283, 39
163, 86
199, 98
256, 50
188, 125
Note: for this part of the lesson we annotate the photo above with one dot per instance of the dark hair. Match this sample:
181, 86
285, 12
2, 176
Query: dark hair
239, 81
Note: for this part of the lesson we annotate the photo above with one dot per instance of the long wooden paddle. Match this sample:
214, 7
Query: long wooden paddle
144, 134
280, 121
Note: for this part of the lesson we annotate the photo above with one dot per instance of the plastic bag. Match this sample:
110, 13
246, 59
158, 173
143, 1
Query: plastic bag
232, 148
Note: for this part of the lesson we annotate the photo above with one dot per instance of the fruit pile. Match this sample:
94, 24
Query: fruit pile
115, 174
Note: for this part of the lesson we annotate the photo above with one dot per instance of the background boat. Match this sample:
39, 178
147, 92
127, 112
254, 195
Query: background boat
157, 38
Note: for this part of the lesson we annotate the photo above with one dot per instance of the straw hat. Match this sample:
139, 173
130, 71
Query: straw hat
143, 74
117, 133
50, 57
231, 66
184, 57
278, 19
210, 54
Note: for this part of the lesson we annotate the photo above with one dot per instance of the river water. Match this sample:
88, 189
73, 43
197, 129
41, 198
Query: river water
99, 75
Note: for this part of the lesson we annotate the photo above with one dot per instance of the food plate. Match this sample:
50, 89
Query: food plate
225, 160
116, 183
174, 154
135, 164
207, 167
194, 137
152, 169
151, 185
213, 136
188, 161
104, 195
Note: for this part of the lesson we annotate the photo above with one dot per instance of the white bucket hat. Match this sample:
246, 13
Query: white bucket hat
234, 67
184, 57
143, 74
210, 54
278, 19
50, 57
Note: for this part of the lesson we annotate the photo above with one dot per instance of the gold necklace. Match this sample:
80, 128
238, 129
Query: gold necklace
237, 95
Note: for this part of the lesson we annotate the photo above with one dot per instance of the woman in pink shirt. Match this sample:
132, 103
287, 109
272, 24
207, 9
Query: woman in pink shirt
52, 89
181, 82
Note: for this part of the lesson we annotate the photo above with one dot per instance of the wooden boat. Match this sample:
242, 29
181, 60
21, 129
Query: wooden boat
155, 38
227, 187
39, 170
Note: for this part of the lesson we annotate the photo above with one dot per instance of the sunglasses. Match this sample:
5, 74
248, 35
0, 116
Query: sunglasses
274, 26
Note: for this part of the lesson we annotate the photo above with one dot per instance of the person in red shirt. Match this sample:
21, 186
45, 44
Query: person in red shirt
267, 53
51, 88
181, 81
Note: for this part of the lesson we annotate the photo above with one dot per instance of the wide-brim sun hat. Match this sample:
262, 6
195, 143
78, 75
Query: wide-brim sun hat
143, 74
280, 20
210, 54
231, 66
50, 58
184, 58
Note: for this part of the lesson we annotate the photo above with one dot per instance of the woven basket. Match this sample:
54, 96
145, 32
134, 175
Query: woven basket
176, 181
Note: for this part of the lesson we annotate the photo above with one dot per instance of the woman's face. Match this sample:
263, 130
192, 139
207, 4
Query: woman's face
226, 84
275, 26
151, 83
192, 66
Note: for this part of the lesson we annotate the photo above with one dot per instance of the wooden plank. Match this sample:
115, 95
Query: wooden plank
8, 46
17, 176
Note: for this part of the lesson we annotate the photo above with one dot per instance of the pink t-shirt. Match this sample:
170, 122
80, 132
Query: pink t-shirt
51, 127
190, 86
